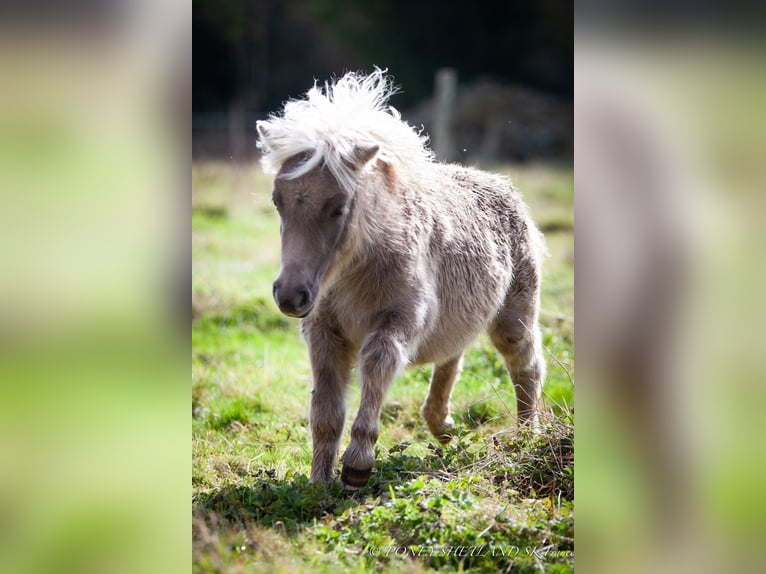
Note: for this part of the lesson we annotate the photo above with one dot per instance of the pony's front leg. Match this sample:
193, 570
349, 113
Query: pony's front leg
381, 357
331, 363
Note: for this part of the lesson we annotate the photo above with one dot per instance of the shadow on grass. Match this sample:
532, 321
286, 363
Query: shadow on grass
291, 504
288, 504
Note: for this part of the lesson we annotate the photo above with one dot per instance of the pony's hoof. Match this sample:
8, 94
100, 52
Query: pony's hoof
444, 438
444, 432
354, 479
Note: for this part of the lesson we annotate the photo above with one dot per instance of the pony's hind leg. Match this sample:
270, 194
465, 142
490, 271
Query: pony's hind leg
515, 333
436, 408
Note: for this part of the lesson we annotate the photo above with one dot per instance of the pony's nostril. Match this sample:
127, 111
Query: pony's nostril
302, 297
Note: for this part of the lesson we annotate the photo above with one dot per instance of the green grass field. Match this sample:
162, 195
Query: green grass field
495, 499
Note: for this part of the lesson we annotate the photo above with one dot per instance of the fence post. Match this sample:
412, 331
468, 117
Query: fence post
444, 111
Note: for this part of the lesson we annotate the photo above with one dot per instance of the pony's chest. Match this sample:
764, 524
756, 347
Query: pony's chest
357, 311
361, 306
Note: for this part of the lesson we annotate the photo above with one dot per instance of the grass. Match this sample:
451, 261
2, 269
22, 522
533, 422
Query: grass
495, 499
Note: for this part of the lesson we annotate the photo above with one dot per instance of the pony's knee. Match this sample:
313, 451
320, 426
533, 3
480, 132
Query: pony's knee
513, 343
381, 357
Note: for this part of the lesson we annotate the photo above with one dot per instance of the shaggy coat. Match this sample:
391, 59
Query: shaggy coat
392, 259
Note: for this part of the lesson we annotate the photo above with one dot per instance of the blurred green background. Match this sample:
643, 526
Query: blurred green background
94, 248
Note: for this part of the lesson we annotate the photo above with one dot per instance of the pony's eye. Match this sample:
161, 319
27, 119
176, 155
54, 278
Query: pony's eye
337, 212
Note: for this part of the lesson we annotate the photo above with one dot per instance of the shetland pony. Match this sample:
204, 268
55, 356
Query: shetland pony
391, 259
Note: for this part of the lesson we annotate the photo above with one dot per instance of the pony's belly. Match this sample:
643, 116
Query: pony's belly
463, 313
445, 344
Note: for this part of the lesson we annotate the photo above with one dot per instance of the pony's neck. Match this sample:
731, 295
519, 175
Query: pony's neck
380, 206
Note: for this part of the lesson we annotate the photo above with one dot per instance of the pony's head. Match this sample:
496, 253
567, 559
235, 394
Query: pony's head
320, 148
315, 214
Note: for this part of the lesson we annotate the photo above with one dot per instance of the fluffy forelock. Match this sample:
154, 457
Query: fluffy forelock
330, 122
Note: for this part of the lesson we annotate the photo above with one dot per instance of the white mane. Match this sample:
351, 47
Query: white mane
329, 124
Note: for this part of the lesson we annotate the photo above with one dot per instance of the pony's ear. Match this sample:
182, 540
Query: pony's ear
362, 155
262, 130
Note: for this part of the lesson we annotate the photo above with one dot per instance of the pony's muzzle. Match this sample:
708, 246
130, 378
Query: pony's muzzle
294, 300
